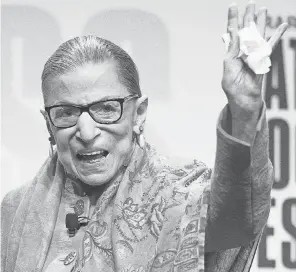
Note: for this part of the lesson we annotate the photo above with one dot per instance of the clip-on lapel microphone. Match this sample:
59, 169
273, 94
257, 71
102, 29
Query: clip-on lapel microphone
73, 224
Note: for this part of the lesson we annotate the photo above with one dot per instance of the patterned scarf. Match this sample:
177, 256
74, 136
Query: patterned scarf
152, 218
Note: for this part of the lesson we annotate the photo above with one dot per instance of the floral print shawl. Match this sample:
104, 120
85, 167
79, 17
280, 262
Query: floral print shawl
151, 219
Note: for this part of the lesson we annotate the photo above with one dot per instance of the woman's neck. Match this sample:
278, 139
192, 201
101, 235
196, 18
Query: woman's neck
93, 192
82, 189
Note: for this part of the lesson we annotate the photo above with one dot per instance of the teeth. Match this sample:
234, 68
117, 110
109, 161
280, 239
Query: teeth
92, 153
92, 156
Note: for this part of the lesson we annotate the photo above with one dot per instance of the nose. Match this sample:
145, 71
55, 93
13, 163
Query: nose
88, 129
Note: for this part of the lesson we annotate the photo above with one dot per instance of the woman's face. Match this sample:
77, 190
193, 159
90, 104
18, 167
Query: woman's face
91, 151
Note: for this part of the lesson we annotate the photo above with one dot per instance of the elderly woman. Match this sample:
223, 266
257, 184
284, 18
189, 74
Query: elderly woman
127, 208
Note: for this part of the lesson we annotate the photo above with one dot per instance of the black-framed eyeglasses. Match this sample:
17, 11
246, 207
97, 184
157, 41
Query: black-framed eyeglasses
107, 111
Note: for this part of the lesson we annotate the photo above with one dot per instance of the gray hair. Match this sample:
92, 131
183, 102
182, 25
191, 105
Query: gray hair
91, 49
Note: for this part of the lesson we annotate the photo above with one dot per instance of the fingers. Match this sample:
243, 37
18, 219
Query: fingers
249, 15
233, 48
273, 41
232, 17
232, 29
261, 21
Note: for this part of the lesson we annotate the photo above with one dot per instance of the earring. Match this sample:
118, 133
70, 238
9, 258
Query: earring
141, 139
138, 136
50, 139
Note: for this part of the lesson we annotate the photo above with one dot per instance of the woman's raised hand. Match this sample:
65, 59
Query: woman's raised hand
241, 84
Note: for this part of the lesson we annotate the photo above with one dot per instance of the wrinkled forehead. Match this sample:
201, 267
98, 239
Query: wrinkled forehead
84, 85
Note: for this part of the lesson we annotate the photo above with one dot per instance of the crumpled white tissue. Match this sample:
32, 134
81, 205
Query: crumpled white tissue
254, 50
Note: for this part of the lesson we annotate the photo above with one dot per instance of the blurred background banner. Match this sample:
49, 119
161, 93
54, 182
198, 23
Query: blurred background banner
178, 49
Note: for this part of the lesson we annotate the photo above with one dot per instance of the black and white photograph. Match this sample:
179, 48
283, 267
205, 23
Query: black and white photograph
148, 136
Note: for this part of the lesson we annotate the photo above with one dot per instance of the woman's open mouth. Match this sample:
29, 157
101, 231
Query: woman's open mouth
92, 157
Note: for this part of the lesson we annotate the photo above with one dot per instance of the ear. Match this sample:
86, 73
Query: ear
45, 115
140, 113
